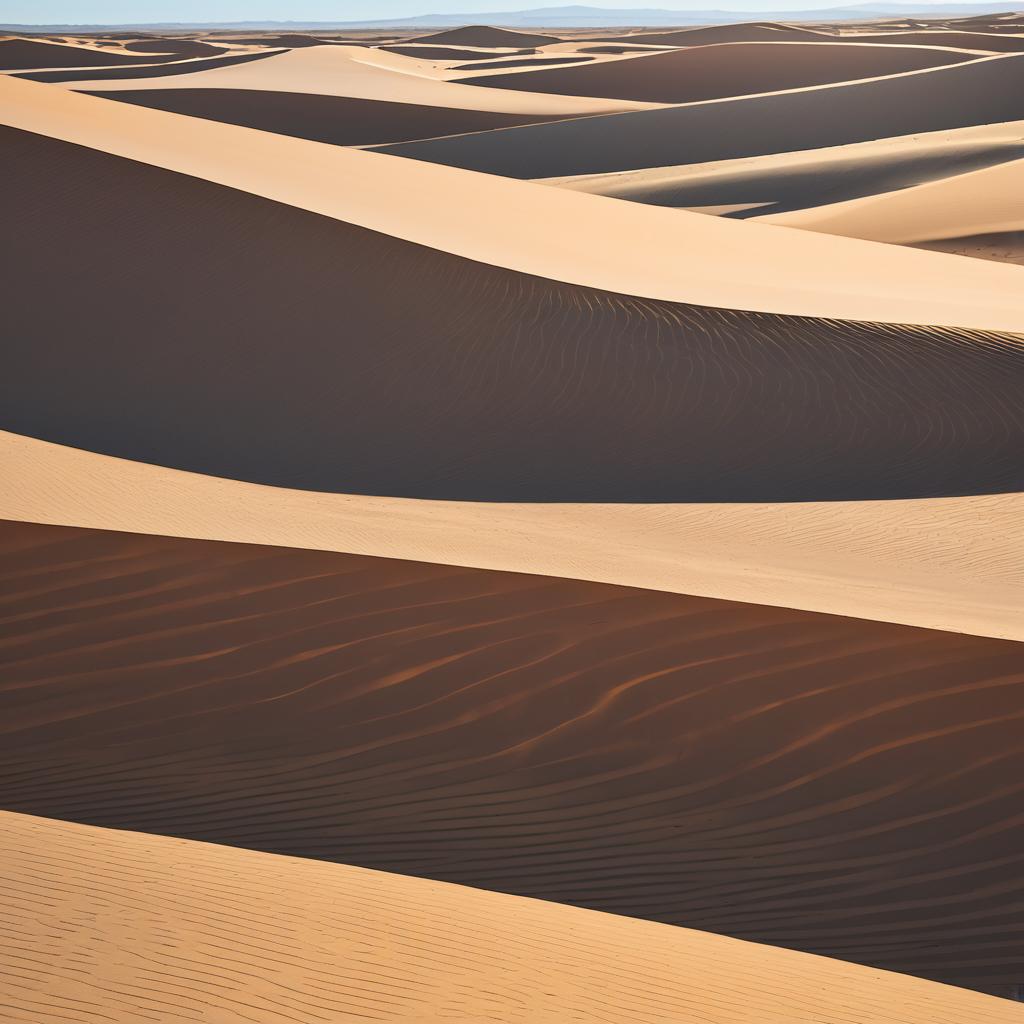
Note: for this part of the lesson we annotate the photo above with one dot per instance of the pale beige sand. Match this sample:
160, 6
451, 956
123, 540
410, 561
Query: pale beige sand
944, 563
981, 202
363, 73
109, 925
561, 235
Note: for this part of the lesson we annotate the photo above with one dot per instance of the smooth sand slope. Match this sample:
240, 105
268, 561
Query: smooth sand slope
20, 54
984, 91
979, 202
839, 786
362, 73
728, 69
948, 563
564, 238
107, 929
811, 178
338, 120
485, 35
754, 32
318, 354
145, 71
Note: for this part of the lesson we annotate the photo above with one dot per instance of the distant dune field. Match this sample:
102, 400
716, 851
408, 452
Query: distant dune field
835, 785
728, 69
984, 91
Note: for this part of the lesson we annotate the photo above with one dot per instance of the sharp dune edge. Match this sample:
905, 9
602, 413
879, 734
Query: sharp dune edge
842, 787
565, 238
976, 203
165, 929
949, 564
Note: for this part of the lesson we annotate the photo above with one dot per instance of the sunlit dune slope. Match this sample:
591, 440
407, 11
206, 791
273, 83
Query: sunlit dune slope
122, 925
369, 74
984, 91
943, 563
350, 360
811, 178
145, 72
979, 202
730, 69
835, 785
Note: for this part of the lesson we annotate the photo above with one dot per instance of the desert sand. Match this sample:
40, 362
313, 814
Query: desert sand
727, 69
840, 786
947, 564
279, 937
980, 202
978, 92
478, 217
361, 73
811, 178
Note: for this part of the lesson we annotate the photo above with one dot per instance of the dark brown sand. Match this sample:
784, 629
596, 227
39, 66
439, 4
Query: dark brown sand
710, 72
529, 63
755, 32
963, 40
965, 94
835, 785
180, 47
340, 120
204, 328
444, 52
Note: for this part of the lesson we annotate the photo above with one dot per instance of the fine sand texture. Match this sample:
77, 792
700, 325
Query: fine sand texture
948, 564
811, 178
729, 69
834, 785
339, 120
984, 91
352, 361
540, 231
122, 926
1001, 246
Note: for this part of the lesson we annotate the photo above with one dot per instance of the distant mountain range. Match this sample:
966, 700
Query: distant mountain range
578, 17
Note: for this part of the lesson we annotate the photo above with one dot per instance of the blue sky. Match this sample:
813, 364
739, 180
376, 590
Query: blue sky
139, 11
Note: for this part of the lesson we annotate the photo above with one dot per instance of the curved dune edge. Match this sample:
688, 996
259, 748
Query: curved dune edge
980, 202
354, 71
159, 925
944, 563
568, 236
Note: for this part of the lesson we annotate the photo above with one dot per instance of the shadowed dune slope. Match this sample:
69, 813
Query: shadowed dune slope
796, 181
292, 349
973, 93
529, 62
962, 40
184, 67
442, 52
732, 69
485, 35
340, 120
182, 47
123, 926
754, 32
999, 246
19, 54
833, 785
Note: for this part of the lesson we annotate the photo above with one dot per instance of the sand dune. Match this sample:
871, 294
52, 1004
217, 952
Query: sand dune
807, 178
975, 203
834, 785
479, 217
144, 71
485, 35
419, 355
729, 69
181, 47
946, 563
369, 74
528, 62
964, 40
280, 938
339, 120
1001, 246
448, 52
22, 54
981, 92
752, 32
